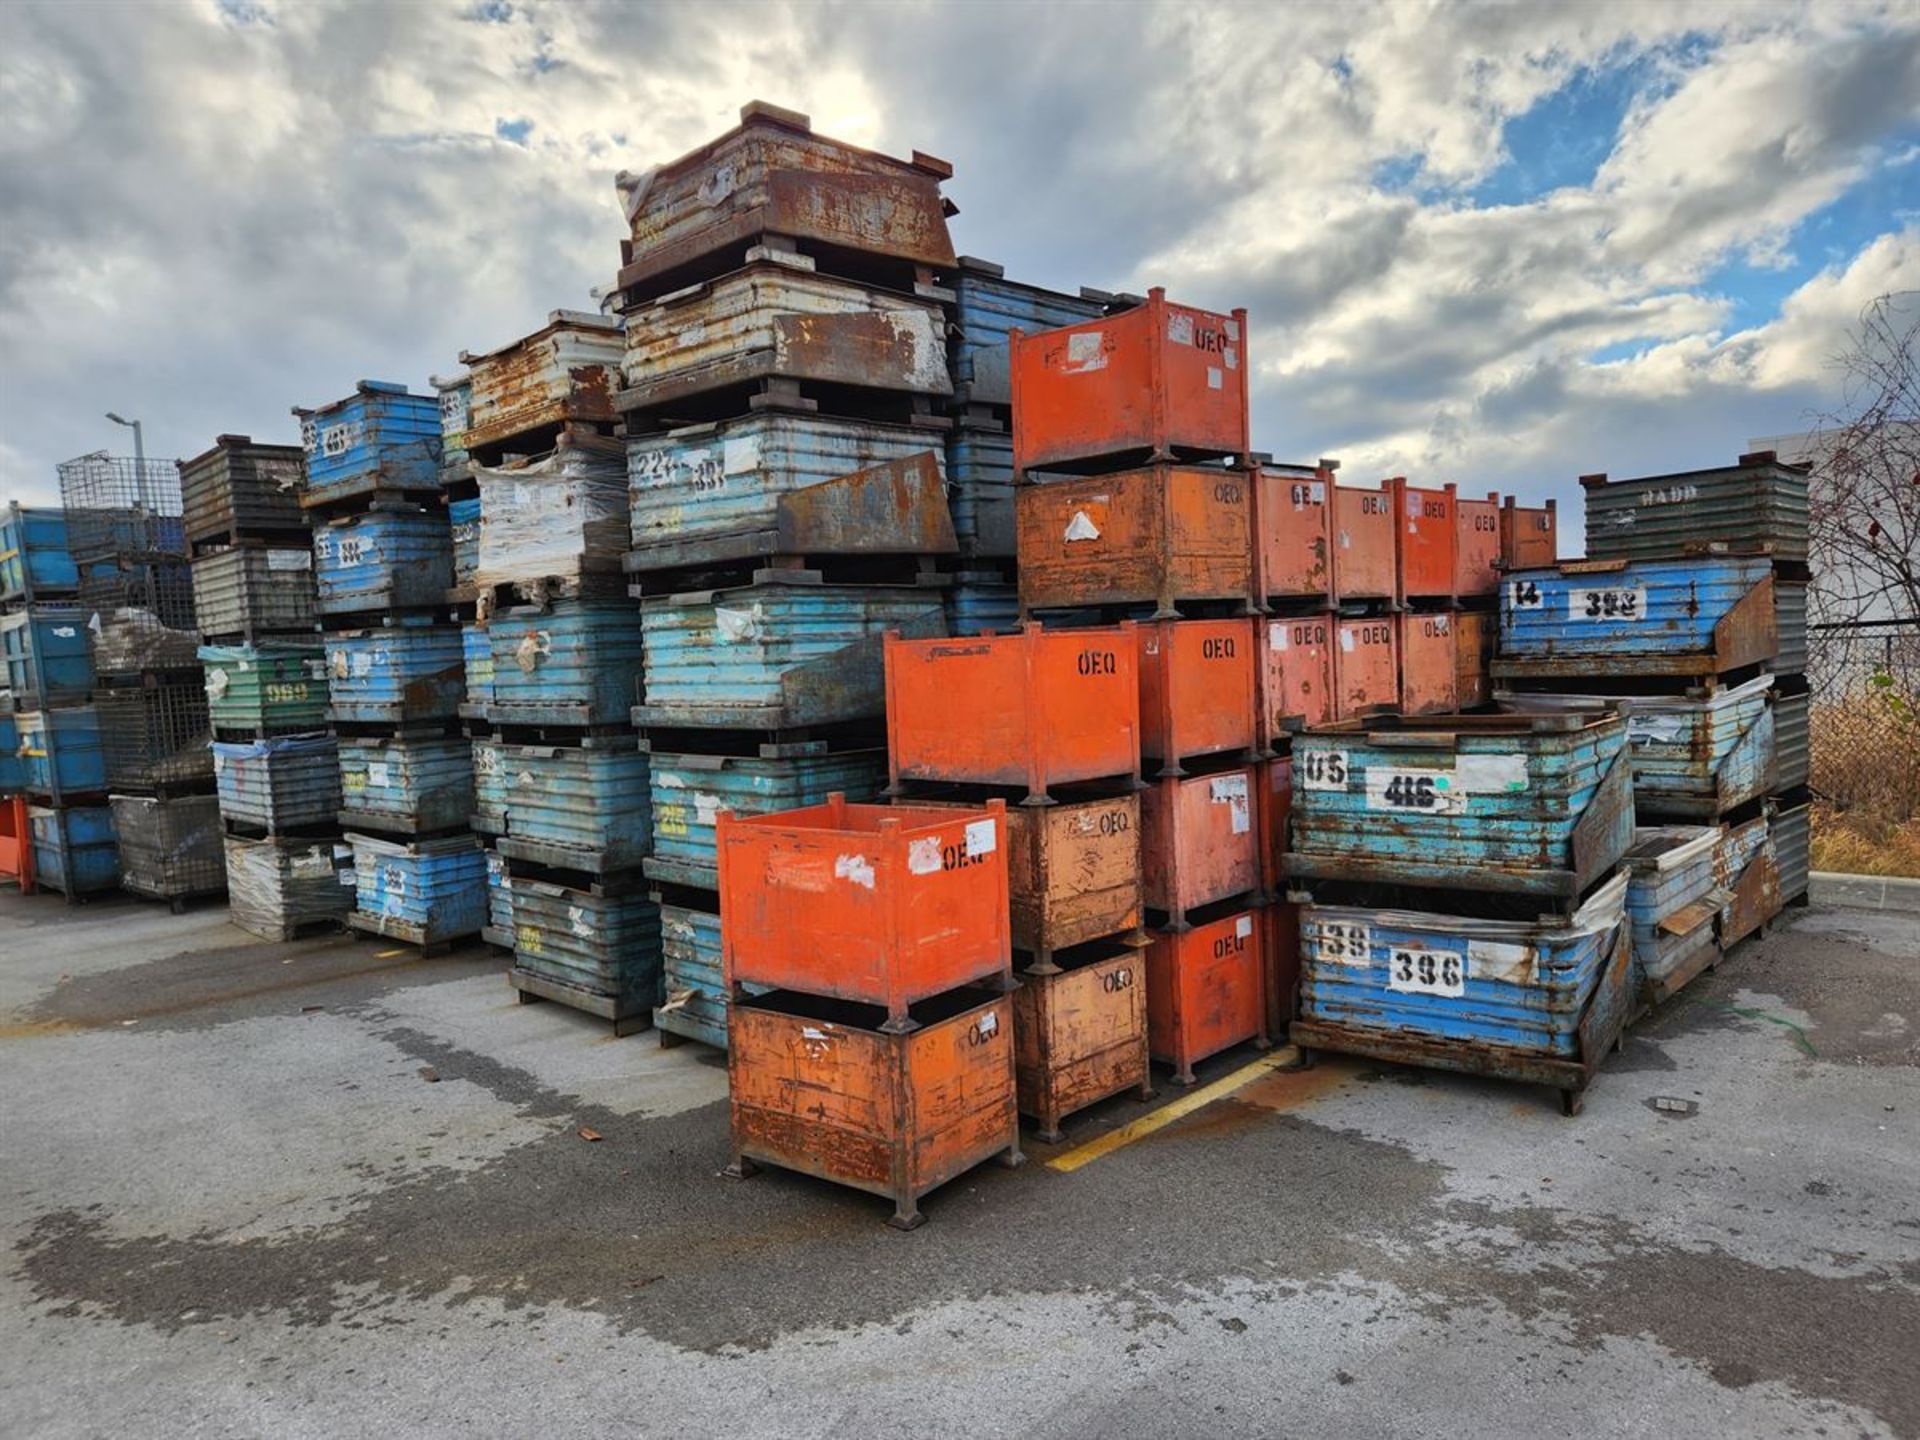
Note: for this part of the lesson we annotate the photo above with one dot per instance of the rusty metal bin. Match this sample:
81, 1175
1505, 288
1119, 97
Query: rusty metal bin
1273, 809
1294, 517
1036, 708
1429, 662
1080, 1035
1201, 845
1206, 988
875, 904
1426, 539
562, 373
1476, 546
1473, 635
1156, 382
1073, 875
1296, 674
1365, 566
1162, 534
1529, 535
1756, 501
1196, 689
816, 1086
1746, 866
242, 488
1366, 666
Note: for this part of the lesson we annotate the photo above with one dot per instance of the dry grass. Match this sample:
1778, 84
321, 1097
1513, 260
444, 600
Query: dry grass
1866, 773
1856, 845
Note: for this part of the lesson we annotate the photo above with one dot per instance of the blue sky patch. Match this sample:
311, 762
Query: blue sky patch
514, 130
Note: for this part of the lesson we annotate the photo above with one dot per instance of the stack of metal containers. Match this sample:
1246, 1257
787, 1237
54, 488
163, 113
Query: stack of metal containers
784, 378
275, 766
127, 535
560, 785
383, 566
52, 774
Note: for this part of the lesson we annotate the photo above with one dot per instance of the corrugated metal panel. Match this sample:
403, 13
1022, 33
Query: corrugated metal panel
562, 371
276, 886
690, 790
456, 409
476, 647
394, 673
1792, 745
696, 992
590, 800
279, 784
74, 850
34, 563
61, 752
770, 320
415, 783
170, 849
421, 890
378, 438
269, 689
1790, 620
13, 770
155, 735
1513, 985
499, 894
47, 656
774, 656
1670, 868
1655, 608
489, 786
463, 520
1664, 517
980, 488
582, 656
987, 308
981, 600
603, 944
560, 516
249, 590
384, 559
242, 488
1792, 848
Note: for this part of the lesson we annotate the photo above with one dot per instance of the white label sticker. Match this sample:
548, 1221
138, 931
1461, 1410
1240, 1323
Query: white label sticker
1242, 927
349, 877
336, 440
1490, 774
1215, 380
66, 632
1426, 972
859, 869
734, 626
1524, 594
1232, 327
1180, 328
217, 683
1420, 792
1277, 635
737, 457
706, 808
988, 1025
377, 774
1657, 729
577, 922
1231, 790
1607, 605
1343, 942
289, 560
982, 837
1499, 960
1308, 492
1321, 769
1085, 352
343, 852
1346, 639
361, 663
1232, 357
1081, 527
923, 856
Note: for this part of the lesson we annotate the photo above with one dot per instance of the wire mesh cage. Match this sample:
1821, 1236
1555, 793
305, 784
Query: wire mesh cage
156, 738
156, 592
120, 506
170, 849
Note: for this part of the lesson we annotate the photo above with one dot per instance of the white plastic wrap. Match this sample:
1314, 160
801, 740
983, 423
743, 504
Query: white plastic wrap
561, 516
277, 885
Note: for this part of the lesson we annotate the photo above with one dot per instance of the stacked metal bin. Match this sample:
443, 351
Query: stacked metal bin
784, 388
392, 661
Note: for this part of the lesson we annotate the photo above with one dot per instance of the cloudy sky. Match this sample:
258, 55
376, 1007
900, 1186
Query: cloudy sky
1497, 244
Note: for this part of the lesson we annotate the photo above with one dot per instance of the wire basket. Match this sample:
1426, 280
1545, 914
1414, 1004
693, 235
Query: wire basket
121, 507
156, 738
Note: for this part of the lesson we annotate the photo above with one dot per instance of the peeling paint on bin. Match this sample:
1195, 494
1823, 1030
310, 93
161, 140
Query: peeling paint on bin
603, 944
391, 674
590, 800
414, 783
425, 891
1672, 899
580, 654
695, 995
380, 438
384, 559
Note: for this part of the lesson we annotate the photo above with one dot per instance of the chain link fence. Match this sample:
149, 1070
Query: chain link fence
1864, 730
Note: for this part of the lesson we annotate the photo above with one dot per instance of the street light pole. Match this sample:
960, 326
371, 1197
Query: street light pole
139, 449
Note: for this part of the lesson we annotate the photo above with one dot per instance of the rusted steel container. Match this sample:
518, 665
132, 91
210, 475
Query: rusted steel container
378, 439
1161, 534
1672, 902
980, 488
272, 688
170, 849
988, 308
695, 1007
1746, 867
155, 736
1426, 539
1197, 689
1280, 918
241, 489
1294, 517
291, 782
1296, 674
35, 564
463, 525
1792, 746
1790, 625
771, 175
1038, 708
563, 372
1676, 617
406, 784
280, 888
1792, 856
1535, 804
1156, 382
773, 483
1529, 535
1206, 988
579, 807
816, 1087
389, 559
74, 849
775, 656
1476, 547
574, 662
605, 946
247, 590
394, 674
772, 322
421, 891
1757, 502
61, 753
489, 787
1429, 662
1366, 666
560, 516
1080, 1035
875, 904
1473, 638
1365, 563
1537, 1001
48, 660
1200, 844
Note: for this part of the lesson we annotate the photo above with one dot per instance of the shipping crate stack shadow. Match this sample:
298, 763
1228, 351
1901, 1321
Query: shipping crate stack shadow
784, 392
126, 532
383, 564
276, 770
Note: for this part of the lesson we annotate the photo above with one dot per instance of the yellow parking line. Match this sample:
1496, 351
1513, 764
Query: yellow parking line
1111, 1141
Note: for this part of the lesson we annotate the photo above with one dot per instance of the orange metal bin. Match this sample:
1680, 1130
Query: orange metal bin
1296, 675
1157, 382
1294, 520
1364, 567
1429, 663
1273, 792
1196, 689
1080, 1035
1529, 536
1206, 989
16, 843
1162, 534
1473, 635
877, 904
1476, 560
1425, 538
1201, 845
814, 1089
1034, 708
1366, 666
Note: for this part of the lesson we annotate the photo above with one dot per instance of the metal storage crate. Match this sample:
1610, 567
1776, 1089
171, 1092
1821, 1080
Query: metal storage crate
1672, 901
489, 787
74, 850
170, 849
410, 785
273, 688
1792, 743
463, 521
35, 563
242, 488
561, 516
248, 590
13, 769
378, 439
499, 927
48, 658
395, 674
605, 946
1792, 849
1790, 623
987, 309
476, 649
279, 888
120, 507
561, 372
60, 752
577, 807
291, 782
1676, 617
387, 559
1757, 502
155, 736
456, 409
980, 488
576, 662
981, 602
695, 1003
423, 891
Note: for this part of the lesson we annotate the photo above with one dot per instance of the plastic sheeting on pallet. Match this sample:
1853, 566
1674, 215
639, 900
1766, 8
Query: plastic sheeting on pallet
559, 517
277, 886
